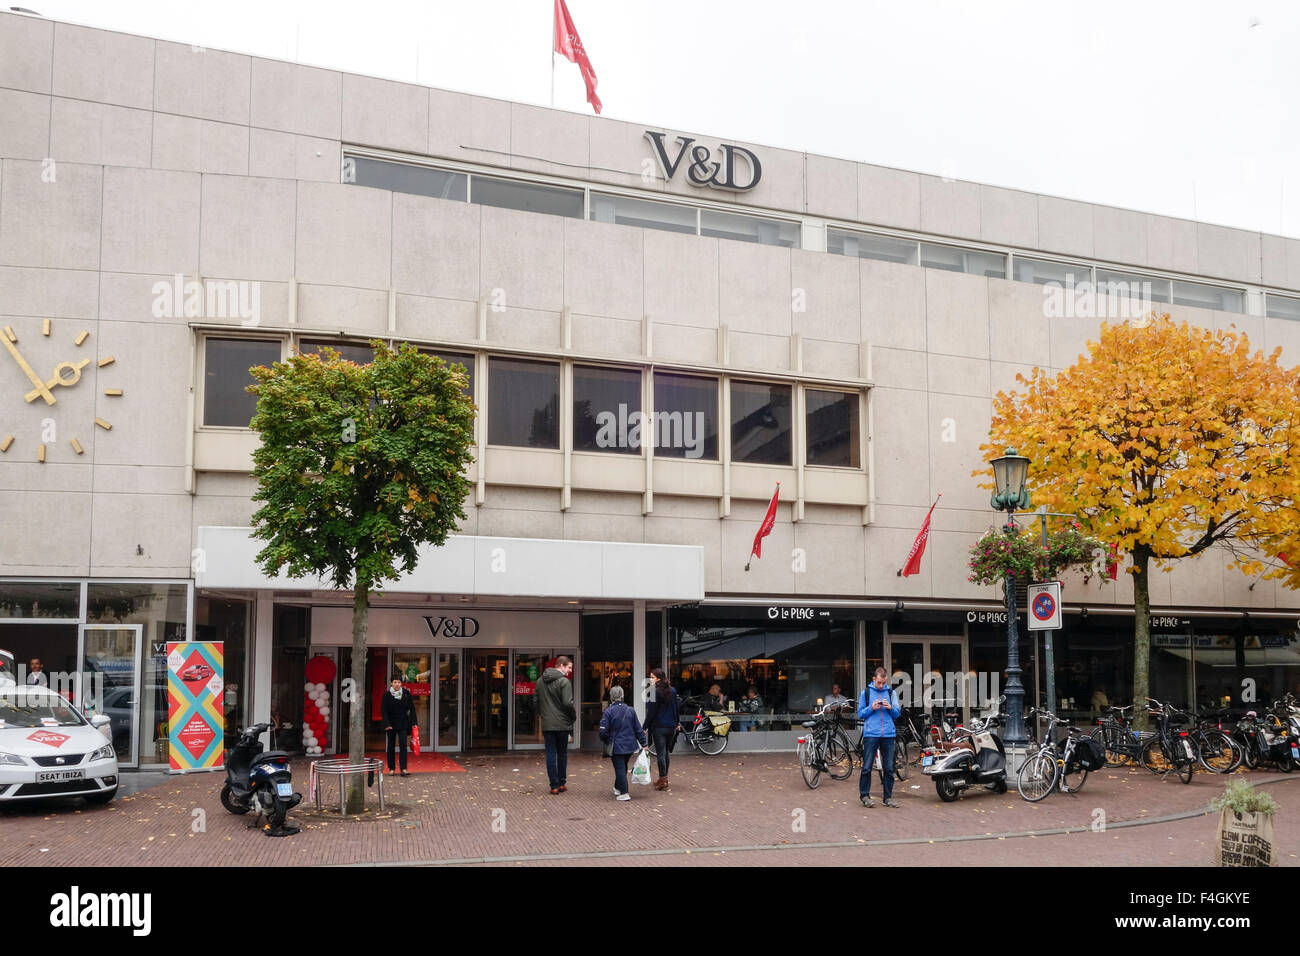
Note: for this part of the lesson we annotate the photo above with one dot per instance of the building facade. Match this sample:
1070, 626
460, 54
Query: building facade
658, 326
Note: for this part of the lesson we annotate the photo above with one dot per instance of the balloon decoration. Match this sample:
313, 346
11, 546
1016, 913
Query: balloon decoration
320, 673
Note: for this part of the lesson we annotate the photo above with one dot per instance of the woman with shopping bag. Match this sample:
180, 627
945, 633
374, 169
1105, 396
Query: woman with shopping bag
621, 731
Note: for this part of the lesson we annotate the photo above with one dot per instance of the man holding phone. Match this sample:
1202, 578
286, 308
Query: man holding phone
878, 707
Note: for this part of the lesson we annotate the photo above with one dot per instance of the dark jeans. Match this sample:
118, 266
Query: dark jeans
398, 737
620, 762
663, 743
557, 756
869, 747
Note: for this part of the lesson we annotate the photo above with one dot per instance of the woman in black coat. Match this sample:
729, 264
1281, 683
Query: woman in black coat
398, 713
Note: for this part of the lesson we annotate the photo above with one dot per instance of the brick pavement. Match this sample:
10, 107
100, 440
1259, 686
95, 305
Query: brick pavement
734, 801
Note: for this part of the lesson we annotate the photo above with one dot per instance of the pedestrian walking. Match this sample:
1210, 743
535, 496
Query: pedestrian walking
554, 694
623, 736
397, 711
878, 708
662, 721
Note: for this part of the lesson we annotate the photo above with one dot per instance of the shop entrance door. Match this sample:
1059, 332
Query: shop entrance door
109, 671
945, 658
487, 711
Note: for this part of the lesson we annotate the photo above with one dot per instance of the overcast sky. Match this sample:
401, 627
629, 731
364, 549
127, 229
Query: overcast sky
1182, 108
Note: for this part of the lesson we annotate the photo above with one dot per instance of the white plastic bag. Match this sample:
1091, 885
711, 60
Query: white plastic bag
641, 769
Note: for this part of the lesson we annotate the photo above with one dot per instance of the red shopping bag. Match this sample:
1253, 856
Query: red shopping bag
415, 739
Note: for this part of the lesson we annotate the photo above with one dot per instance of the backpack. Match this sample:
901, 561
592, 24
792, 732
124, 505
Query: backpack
1089, 754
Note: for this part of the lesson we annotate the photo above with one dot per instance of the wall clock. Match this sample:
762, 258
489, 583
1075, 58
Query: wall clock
46, 389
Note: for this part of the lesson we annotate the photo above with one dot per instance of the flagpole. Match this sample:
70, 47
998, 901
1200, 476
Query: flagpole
552, 78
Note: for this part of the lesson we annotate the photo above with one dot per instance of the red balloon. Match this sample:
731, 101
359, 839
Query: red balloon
320, 670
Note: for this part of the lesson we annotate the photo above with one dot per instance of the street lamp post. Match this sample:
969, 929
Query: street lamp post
1009, 474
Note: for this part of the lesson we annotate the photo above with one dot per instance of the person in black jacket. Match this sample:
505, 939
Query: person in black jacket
662, 720
398, 713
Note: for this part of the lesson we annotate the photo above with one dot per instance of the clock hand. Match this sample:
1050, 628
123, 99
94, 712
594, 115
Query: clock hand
42, 389
58, 379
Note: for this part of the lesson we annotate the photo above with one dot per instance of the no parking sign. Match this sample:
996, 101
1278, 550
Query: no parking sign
1045, 606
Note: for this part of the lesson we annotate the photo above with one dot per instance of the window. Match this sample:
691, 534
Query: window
832, 428
760, 423
1131, 285
623, 211
606, 409
768, 232
405, 178
1282, 306
462, 359
348, 351
1208, 296
1043, 271
523, 403
685, 417
225, 377
527, 197
884, 248
957, 259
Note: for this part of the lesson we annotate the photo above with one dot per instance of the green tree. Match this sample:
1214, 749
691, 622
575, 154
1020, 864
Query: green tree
359, 466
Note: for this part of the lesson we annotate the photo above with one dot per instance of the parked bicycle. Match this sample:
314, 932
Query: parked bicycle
1122, 743
824, 748
1217, 751
1170, 750
1266, 739
1049, 766
707, 733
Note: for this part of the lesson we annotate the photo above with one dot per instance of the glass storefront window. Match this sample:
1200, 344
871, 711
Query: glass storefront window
789, 669
529, 666
449, 699
832, 428
226, 378
760, 423
686, 416
604, 403
161, 609
523, 403
227, 621
44, 600
606, 660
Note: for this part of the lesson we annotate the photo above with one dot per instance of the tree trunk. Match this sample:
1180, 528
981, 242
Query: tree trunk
356, 782
1141, 635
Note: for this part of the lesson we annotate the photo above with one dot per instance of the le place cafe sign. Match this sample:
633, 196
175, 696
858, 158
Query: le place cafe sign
706, 167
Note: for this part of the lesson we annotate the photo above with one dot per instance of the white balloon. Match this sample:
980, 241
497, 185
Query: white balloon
325, 711
313, 694
320, 687
309, 686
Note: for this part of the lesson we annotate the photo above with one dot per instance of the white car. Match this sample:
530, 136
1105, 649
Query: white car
48, 749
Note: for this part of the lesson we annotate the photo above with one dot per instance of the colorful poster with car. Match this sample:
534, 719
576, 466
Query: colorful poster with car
196, 717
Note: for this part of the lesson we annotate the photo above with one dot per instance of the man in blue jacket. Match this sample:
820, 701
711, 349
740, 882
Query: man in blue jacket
877, 709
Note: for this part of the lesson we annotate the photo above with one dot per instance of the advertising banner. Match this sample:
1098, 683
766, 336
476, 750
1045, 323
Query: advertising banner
196, 718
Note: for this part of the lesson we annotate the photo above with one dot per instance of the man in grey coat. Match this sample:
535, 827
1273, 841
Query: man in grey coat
555, 704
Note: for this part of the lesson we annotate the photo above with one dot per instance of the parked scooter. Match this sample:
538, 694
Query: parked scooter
258, 779
1266, 740
975, 755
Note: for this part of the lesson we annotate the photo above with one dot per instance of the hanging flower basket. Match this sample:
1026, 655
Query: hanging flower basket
1023, 556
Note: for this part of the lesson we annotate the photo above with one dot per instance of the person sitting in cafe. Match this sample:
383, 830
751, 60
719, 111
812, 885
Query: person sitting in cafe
751, 703
717, 700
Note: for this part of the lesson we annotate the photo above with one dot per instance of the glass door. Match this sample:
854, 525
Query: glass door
447, 712
487, 710
935, 670
110, 658
527, 669
413, 666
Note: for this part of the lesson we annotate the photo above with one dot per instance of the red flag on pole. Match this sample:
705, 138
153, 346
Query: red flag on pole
569, 45
913, 565
1112, 565
765, 528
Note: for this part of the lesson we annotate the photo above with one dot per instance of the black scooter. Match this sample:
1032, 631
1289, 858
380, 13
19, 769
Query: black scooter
258, 779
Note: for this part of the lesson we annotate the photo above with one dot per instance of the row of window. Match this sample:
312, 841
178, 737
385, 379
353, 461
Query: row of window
524, 406
568, 202
579, 203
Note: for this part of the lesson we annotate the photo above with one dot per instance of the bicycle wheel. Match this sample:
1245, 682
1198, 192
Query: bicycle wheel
1112, 738
1153, 757
1037, 777
900, 759
1219, 754
1073, 781
808, 764
1248, 755
854, 752
711, 743
839, 759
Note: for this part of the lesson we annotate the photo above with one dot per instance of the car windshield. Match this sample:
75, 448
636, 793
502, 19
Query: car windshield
30, 709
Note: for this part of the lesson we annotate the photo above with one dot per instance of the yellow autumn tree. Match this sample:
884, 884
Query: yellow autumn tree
1165, 440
